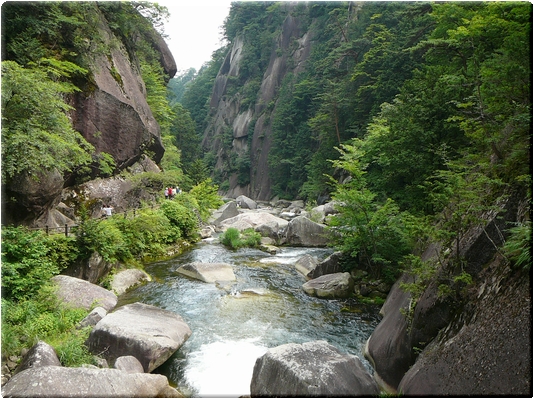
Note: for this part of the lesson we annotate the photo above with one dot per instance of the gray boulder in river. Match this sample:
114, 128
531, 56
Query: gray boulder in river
339, 285
312, 369
148, 333
54, 381
208, 272
303, 232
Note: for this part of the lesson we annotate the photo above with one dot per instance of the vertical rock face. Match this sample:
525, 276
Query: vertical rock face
111, 112
288, 56
113, 115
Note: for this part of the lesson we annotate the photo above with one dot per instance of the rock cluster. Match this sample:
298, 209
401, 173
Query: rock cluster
135, 339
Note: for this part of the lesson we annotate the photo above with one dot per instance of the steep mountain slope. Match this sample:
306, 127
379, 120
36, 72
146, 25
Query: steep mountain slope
110, 110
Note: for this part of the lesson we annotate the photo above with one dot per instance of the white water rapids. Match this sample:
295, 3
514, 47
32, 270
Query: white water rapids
234, 325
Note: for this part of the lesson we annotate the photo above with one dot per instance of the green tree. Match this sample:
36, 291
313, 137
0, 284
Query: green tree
372, 231
37, 135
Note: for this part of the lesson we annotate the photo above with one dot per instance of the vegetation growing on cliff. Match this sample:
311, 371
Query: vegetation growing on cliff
411, 115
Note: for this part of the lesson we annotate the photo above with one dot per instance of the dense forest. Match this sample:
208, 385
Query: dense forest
414, 118
403, 111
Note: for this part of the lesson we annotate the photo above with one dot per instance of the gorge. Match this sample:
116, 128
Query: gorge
401, 132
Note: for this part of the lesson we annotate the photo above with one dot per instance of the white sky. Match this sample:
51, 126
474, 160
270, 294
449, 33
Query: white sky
194, 30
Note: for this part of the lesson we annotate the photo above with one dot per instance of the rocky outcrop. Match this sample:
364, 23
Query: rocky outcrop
330, 265
111, 112
313, 369
114, 116
333, 286
464, 335
53, 381
290, 50
485, 351
208, 272
79, 293
123, 280
40, 355
303, 232
145, 332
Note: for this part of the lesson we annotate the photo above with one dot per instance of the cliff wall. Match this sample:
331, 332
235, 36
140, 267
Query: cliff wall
111, 113
251, 126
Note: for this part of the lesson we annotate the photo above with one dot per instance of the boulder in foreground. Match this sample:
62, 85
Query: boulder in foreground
303, 232
314, 369
53, 381
148, 333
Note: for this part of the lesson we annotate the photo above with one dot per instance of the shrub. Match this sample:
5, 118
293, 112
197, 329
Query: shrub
233, 239
104, 237
182, 217
26, 262
42, 317
206, 195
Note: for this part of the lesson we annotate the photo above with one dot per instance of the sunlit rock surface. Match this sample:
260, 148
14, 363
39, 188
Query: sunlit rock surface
312, 369
148, 333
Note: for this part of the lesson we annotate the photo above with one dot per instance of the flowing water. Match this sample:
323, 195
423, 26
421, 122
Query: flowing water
236, 323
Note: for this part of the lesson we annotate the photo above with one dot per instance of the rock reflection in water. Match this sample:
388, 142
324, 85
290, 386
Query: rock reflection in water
234, 323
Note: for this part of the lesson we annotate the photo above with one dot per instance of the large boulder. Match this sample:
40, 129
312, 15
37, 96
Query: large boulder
254, 220
306, 264
313, 369
54, 381
78, 293
303, 232
330, 265
389, 348
246, 202
208, 272
40, 355
128, 278
226, 211
148, 333
339, 285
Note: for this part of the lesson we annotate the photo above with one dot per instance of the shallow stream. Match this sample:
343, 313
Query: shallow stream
235, 324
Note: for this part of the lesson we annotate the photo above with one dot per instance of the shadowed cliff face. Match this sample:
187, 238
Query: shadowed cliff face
251, 127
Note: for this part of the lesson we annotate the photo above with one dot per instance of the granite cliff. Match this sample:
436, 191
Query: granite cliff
111, 112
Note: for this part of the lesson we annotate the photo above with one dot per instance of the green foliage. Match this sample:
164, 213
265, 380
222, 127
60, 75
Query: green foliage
182, 217
28, 261
104, 237
366, 228
42, 317
234, 239
206, 195
37, 135
519, 246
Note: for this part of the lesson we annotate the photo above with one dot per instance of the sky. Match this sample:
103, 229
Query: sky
194, 30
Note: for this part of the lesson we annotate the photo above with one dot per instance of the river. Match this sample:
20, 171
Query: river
235, 324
